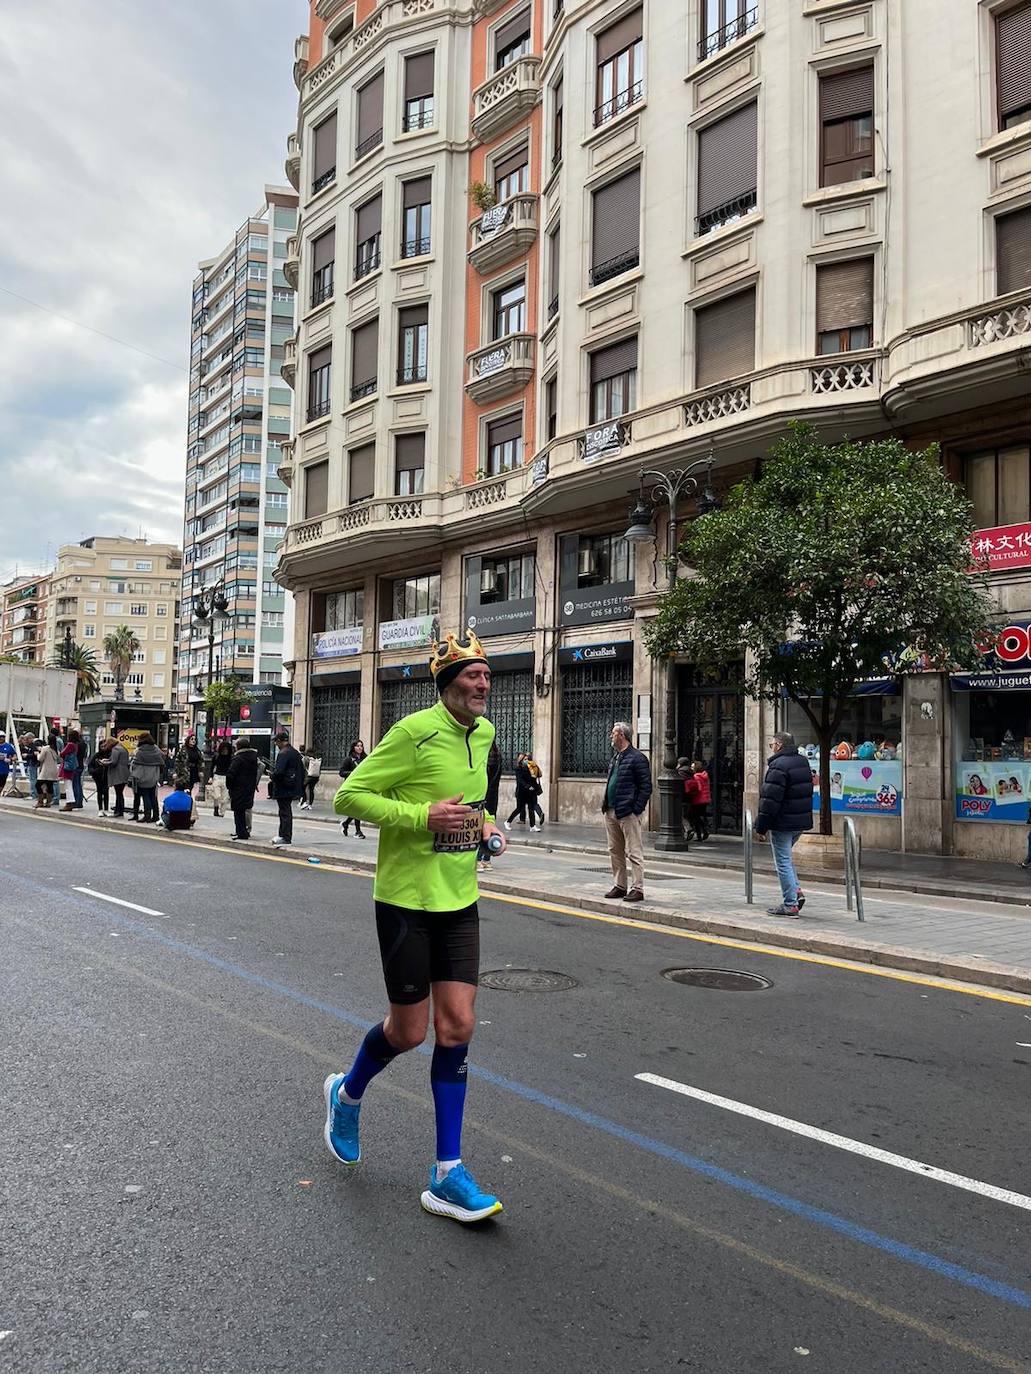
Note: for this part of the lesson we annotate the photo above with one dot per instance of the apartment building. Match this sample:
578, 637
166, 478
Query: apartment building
103, 583
543, 248
23, 618
239, 419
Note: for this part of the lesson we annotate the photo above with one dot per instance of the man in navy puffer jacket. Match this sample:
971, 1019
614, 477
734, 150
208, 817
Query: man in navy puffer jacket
785, 811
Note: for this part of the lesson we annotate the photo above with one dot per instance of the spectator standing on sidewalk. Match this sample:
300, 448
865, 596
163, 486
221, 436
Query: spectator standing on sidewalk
533, 768
188, 763
118, 774
98, 765
627, 789
146, 774
218, 787
785, 811
354, 757
242, 782
287, 786
312, 773
30, 747
700, 804
525, 793
686, 773
49, 767
8, 756
70, 771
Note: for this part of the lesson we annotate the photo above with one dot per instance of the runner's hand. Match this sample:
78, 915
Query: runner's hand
448, 815
490, 829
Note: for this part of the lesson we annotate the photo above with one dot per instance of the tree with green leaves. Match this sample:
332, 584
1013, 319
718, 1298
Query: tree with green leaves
836, 564
81, 659
119, 647
223, 699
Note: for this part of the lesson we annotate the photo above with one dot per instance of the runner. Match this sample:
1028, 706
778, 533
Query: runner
424, 786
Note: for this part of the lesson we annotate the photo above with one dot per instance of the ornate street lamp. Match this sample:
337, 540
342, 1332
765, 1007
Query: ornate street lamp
668, 488
208, 603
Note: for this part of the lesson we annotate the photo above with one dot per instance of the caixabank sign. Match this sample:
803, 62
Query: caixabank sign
584, 654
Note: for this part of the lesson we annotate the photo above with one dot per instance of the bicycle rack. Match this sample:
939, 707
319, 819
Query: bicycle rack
853, 884
749, 831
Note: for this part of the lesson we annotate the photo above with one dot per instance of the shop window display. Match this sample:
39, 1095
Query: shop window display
866, 753
993, 744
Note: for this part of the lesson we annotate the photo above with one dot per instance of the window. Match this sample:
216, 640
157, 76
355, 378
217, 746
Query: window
723, 22
415, 199
1013, 65
138, 608
998, 486
508, 578
616, 232
89, 608
370, 116
409, 463
368, 223
413, 345
512, 174
602, 559
272, 620
119, 564
364, 350
140, 656
1013, 251
413, 596
418, 112
335, 713
134, 680
323, 255
157, 680
726, 170
361, 477
114, 608
512, 40
89, 631
846, 126
504, 444
144, 565
274, 499
318, 385
553, 265
551, 408
161, 608
844, 306
316, 490
94, 584
345, 610
724, 343
161, 632
508, 310
593, 696
159, 656
556, 124
620, 81
613, 380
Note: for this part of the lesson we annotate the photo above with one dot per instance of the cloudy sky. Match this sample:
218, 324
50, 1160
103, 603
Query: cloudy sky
135, 136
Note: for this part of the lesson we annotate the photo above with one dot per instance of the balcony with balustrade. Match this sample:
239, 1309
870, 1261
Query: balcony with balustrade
500, 367
288, 367
292, 261
292, 165
505, 97
503, 232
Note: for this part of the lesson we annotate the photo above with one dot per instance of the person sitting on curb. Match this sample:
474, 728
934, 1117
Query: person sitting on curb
177, 811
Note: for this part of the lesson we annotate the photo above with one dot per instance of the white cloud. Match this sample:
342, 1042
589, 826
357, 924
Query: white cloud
135, 137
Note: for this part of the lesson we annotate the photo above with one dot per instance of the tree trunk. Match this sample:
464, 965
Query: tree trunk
826, 734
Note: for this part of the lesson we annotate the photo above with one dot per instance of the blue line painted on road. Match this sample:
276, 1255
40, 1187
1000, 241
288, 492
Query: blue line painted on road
817, 1216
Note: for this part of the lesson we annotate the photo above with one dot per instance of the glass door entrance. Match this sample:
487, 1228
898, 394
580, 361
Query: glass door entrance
711, 727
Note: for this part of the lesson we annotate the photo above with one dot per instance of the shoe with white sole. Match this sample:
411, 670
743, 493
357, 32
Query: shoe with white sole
280, 843
341, 1130
458, 1196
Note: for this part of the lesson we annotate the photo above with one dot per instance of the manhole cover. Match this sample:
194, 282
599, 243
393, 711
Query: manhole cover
526, 980
659, 877
723, 979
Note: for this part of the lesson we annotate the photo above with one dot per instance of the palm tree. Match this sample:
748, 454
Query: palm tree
83, 662
119, 648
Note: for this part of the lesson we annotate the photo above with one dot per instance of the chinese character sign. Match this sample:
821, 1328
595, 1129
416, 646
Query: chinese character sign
1006, 546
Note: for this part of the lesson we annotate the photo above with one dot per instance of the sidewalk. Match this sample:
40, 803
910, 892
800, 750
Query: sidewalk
985, 943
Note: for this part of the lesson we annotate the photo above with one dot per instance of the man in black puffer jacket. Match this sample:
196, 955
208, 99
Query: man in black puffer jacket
785, 811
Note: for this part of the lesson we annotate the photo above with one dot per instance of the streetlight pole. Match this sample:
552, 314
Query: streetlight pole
668, 488
207, 604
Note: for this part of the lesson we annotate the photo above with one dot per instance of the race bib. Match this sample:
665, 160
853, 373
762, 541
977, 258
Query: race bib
466, 838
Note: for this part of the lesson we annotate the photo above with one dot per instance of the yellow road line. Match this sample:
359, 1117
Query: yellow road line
938, 1335
801, 956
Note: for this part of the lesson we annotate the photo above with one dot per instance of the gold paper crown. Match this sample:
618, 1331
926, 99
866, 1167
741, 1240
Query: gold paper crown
455, 651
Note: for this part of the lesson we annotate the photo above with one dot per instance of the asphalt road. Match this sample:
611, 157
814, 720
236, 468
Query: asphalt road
169, 1204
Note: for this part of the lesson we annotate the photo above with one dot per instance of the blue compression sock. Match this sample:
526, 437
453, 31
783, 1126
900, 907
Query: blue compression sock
374, 1054
447, 1079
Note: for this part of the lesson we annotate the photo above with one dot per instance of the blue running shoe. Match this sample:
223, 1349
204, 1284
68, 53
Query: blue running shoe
458, 1196
341, 1133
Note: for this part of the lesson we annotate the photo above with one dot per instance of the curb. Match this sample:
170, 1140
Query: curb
887, 956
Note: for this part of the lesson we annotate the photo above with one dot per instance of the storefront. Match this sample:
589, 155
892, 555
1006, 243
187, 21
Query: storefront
597, 684
992, 733
403, 688
335, 713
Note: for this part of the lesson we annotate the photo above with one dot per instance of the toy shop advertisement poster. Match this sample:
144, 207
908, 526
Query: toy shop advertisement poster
864, 787
993, 791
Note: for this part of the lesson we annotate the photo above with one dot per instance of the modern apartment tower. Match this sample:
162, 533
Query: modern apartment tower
546, 247
239, 420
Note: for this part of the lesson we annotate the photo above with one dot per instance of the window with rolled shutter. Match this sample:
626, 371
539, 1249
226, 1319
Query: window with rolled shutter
364, 349
324, 154
318, 382
620, 58
512, 40
726, 170
554, 258
616, 236
556, 128
725, 339
844, 305
316, 489
512, 174
323, 255
361, 483
409, 463
367, 226
415, 205
505, 444
1013, 251
613, 373
418, 112
1013, 65
846, 126
413, 345
370, 116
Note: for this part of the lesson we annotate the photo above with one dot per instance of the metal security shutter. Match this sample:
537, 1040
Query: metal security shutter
1013, 49
413, 316
319, 359
335, 722
512, 163
844, 295
617, 219
369, 219
419, 76
513, 32
324, 158
1013, 251
617, 358
398, 699
316, 489
511, 714
725, 339
364, 350
844, 95
370, 109
502, 431
410, 452
727, 160
362, 477
323, 250
416, 192
593, 696
621, 35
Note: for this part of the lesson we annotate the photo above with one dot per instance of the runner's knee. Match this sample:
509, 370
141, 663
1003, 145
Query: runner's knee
453, 1027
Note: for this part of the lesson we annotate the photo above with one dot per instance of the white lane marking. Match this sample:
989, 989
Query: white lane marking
842, 1142
92, 892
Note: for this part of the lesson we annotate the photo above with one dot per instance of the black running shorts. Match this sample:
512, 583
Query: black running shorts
423, 947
